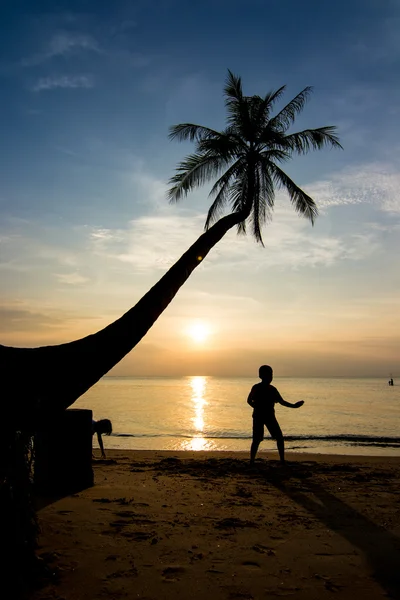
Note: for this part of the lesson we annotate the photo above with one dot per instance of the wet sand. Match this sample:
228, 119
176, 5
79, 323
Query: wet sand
200, 525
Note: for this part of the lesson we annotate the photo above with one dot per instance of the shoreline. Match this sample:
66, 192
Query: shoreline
163, 524
380, 450
262, 456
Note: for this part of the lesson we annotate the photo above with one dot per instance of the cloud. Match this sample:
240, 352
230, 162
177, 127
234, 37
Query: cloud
291, 243
156, 242
36, 323
63, 44
29, 245
16, 318
71, 278
150, 242
64, 82
375, 183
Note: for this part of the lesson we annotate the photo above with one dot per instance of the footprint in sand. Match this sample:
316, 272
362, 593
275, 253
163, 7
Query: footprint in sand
172, 573
261, 549
139, 536
132, 572
251, 564
133, 518
240, 596
234, 523
102, 500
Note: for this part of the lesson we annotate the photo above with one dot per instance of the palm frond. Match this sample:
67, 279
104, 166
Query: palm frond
237, 106
312, 139
221, 190
233, 87
240, 201
271, 138
287, 115
216, 209
220, 144
267, 184
256, 118
190, 131
263, 206
272, 97
193, 172
266, 104
233, 133
275, 154
301, 201
258, 208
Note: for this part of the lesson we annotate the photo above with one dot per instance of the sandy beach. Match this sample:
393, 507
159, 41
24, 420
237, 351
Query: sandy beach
198, 525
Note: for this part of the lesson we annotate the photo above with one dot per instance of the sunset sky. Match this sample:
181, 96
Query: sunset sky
89, 90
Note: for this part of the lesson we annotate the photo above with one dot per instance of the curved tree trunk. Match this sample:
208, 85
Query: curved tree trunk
41, 380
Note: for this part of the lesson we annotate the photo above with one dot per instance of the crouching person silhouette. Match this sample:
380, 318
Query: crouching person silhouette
262, 398
104, 426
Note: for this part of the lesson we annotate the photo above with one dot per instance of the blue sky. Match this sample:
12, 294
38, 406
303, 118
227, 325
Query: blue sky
89, 90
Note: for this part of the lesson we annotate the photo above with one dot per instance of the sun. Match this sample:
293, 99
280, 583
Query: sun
199, 331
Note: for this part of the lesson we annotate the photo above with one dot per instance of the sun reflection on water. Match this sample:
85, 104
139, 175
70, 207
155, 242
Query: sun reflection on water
198, 389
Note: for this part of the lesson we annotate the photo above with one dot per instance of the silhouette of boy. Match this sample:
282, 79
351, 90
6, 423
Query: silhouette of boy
100, 427
262, 398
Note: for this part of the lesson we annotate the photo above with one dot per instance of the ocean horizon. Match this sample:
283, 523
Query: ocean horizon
341, 415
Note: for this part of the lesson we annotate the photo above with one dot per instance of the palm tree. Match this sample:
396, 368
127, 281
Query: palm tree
250, 150
246, 156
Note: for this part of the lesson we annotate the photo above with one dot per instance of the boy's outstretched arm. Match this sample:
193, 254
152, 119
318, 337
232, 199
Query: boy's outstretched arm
289, 404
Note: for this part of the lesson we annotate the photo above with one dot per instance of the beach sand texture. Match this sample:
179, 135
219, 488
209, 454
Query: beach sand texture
200, 525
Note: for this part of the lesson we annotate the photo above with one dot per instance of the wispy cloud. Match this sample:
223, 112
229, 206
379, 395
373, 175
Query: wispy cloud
101, 234
375, 183
37, 323
71, 278
64, 82
150, 242
156, 242
63, 44
19, 317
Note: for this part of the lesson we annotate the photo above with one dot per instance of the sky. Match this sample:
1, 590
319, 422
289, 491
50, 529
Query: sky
89, 91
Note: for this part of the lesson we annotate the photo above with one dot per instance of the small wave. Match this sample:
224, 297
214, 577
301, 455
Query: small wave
357, 440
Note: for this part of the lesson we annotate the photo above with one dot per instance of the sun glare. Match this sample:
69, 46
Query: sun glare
198, 331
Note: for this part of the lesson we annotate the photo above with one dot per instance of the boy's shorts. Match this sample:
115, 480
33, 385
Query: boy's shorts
270, 423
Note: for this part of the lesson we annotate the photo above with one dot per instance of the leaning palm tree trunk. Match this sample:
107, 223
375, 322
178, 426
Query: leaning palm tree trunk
43, 381
51, 378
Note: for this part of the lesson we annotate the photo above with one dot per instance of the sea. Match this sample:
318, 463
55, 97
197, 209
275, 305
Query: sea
355, 416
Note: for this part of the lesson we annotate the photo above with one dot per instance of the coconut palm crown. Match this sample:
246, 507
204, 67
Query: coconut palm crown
246, 156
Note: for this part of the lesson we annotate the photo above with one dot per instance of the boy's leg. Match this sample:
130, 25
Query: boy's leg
276, 433
280, 442
253, 451
258, 436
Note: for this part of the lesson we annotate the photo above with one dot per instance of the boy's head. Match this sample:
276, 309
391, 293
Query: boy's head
104, 426
265, 373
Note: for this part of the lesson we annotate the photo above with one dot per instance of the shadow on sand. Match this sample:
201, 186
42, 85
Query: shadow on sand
380, 547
